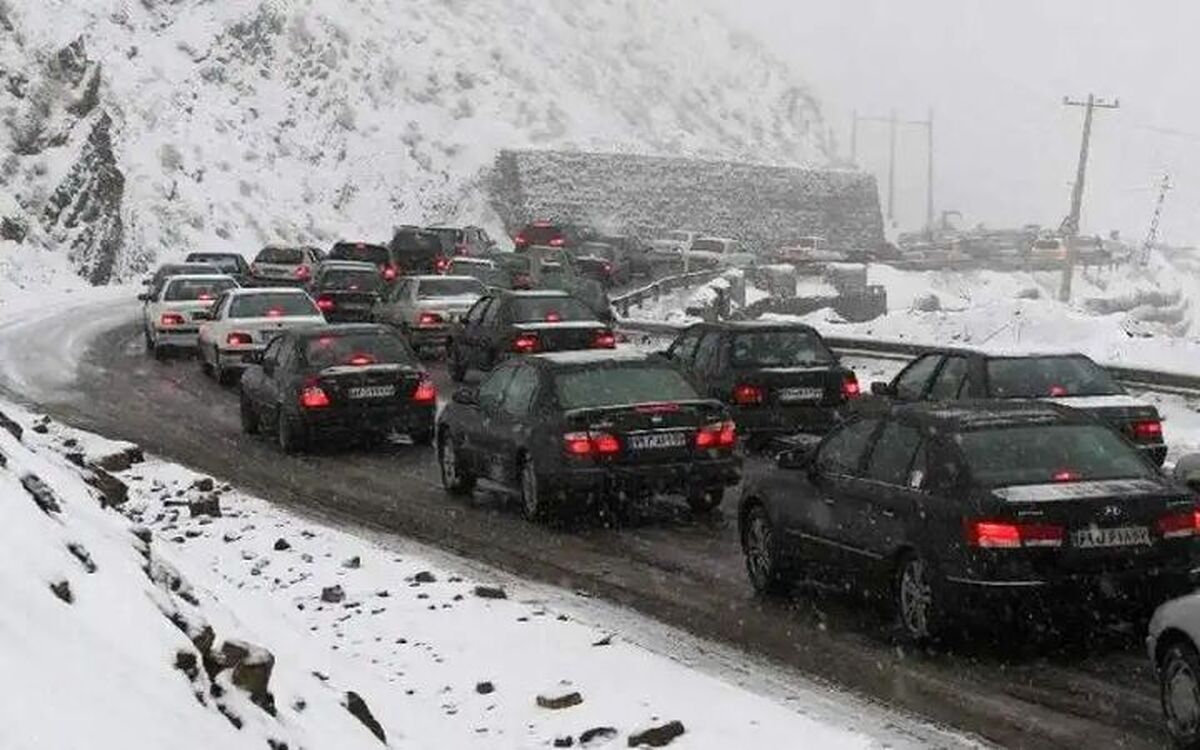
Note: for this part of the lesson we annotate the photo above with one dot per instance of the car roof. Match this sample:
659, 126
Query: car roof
735, 326
967, 415
244, 291
211, 254
200, 277
471, 260
185, 264
534, 293
340, 329
349, 265
436, 276
593, 357
1001, 351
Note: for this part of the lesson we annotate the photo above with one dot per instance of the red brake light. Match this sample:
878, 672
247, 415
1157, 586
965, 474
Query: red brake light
553, 317
1147, 429
591, 443
441, 264
275, 312
850, 389
239, 339
171, 319
1057, 391
1007, 535
745, 394
1178, 525
1066, 475
717, 435
558, 241
429, 319
606, 444
204, 297
426, 392
525, 343
662, 408
313, 396
325, 303
604, 339
389, 272
520, 240
361, 360
607, 268
302, 272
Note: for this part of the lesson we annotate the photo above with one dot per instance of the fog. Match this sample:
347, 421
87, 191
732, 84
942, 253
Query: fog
995, 74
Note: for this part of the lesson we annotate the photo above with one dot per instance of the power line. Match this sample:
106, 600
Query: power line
893, 122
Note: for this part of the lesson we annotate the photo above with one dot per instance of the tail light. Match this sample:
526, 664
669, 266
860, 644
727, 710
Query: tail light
274, 312
745, 394
389, 272
426, 392
325, 303
850, 389
1007, 535
1178, 525
604, 339
361, 360
591, 444
557, 241
302, 272
717, 435
169, 319
525, 343
441, 264
239, 339
1066, 475
204, 297
520, 240
1148, 430
607, 268
553, 317
429, 319
313, 396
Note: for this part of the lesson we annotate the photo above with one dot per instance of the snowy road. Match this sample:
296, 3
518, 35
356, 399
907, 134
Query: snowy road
682, 570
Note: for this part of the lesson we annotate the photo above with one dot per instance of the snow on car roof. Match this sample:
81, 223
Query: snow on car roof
200, 277
438, 276
537, 293
349, 265
246, 291
594, 356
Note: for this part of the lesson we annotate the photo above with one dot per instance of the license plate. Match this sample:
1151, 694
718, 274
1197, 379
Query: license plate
657, 441
791, 395
352, 307
1125, 536
373, 391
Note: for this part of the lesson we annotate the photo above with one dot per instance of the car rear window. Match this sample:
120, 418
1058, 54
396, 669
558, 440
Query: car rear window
360, 348
1049, 453
227, 263
614, 386
540, 234
783, 348
708, 246
344, 280
196, 290
417, 244
357, 251
1042, 377
272, 305
430, 288
285, 255
543, 309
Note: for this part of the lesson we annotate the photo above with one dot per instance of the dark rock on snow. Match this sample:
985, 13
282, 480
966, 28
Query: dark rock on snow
204, 485
122, 460
425, 577
113, 492
41, 493
597, 734
358, 708
332, 594
564, 741
208, 505
62, 589
490, 592
660, 736
282, 545
12, 427
485, 688
557, 702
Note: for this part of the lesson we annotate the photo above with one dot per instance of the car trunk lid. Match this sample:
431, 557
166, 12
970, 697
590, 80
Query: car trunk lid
650, 433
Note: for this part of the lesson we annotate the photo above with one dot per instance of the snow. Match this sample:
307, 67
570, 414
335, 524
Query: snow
1043, 493
594, 356
406, 636
1097, 402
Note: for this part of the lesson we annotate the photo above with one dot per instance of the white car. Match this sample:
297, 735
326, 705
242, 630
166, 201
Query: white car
424, 307
171, 319
720, 252
674, 242
243, 321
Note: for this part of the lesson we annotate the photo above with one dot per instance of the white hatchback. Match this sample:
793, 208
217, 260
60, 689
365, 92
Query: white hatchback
243, 321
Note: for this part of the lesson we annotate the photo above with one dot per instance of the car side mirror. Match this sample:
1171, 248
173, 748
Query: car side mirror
795, 458
882, 389
467, 396
144, 297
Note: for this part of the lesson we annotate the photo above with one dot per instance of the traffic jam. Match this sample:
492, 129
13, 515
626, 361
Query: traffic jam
974, 490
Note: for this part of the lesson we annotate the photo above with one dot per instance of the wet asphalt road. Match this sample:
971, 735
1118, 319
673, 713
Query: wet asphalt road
1016, 690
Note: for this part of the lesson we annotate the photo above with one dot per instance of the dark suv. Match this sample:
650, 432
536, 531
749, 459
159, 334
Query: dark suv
416, 251
548, 234
366, 252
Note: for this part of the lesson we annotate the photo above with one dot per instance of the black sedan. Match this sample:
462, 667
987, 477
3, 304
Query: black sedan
983, 506
1068, 379
507, 324
568, 430
777, 378
346, 291
337, 381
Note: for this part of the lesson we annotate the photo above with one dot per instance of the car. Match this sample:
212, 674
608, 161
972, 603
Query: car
603, 262
718, 252
570, 429
469, 241
170, 321
485, 269
957, 509
154, 283
337, 381
284, 265
346, 291
666, 253
549, 234
776, 378
242, 321
417, 251
553, 268
632, 252
1070, 379
504, 324
230, 264
423, 308
807, 250
381, 257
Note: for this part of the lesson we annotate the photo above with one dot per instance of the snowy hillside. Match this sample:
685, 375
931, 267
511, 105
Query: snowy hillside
240, 122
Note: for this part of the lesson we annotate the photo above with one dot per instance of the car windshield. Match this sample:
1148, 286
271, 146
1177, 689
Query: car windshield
227, 263
431, 288
550, 309
347, 280
179, 269
1041, 377
361, 252
613, 385
357, 348
282, 255
1040, 454
272, 305
708, 246
780, 348
196, 290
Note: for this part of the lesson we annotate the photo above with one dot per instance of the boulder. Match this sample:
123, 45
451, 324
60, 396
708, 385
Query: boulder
359, 710
282, 545
113, 492
425, 577
13, 428
251, 671
596, 735
333, 594
206, 505
659, 736
558, 702
41, 493
62, 589
485, 688
121, 460
490, 592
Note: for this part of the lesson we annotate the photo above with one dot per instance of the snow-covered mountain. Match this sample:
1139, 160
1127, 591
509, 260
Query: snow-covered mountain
140, 129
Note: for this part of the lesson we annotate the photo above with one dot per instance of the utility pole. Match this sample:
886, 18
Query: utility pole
893, 123
1152, 235
892, 167
1071, 225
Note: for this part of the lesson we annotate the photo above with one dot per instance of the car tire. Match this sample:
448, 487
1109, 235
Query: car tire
288, 434
249, 417
915, 594
1179, 693
149, 340
764, 559
455, 479
705, 501
160, 352
205, 366
455, 364
533, 495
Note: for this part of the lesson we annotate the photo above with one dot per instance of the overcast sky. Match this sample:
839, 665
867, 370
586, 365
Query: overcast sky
995, 72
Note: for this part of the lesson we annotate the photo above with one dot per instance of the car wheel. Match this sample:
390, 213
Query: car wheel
533, 500
916, 599
761, 550
160, 352
705, 501
455, 363
249, 416
290, 438
1179, 689
455, 479
205, 365
148, 339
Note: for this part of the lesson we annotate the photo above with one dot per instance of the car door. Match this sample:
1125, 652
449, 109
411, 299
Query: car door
948, 382
706, 364
257, 381
913, 381
480, 445
467, 332
683, 350
512, 428
490, 334
885, 502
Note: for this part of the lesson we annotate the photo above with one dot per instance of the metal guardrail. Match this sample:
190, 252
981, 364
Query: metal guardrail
655, 289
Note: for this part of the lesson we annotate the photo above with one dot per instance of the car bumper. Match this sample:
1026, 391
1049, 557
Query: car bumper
665, 479
180, 338
769, 421
261, 281
1109, 590
356, 421
349, 316
235, 359
429, 335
